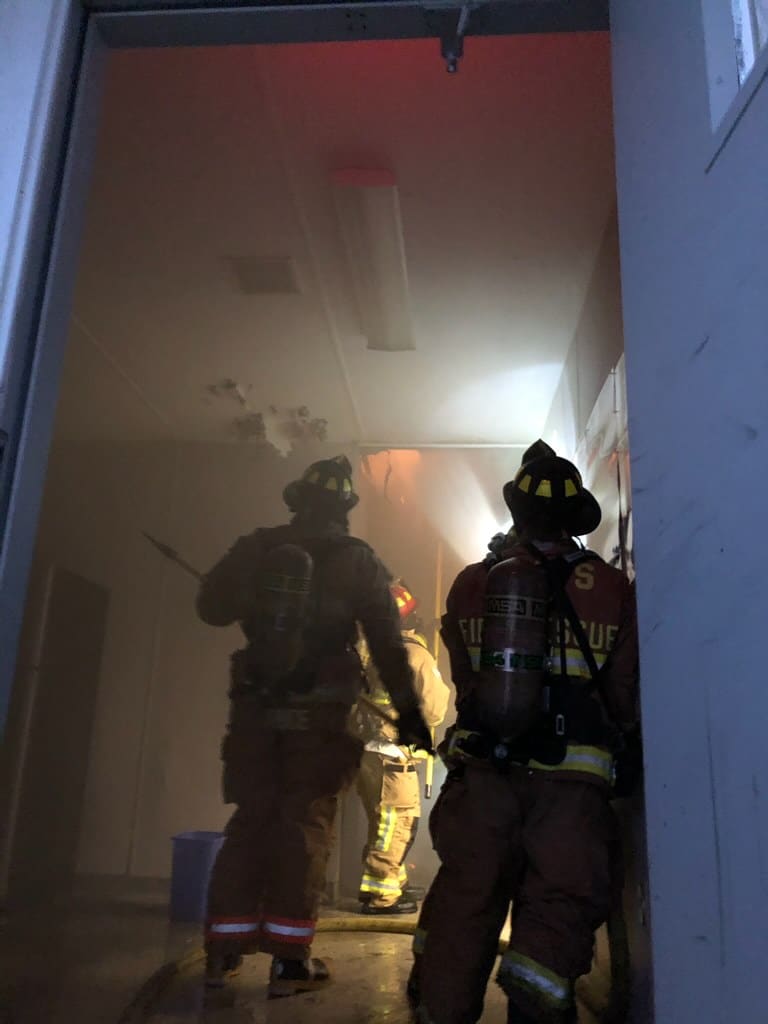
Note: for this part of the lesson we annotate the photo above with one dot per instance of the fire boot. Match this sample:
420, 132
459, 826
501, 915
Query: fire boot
414, 892
516, 1016
220, 968
403, 905
289, 977
412, 988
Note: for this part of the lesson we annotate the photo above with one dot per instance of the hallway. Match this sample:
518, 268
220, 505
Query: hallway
85, 958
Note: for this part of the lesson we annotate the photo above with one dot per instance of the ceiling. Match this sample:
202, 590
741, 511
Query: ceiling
505, 177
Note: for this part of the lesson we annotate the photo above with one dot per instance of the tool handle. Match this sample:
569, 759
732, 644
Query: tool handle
430, 771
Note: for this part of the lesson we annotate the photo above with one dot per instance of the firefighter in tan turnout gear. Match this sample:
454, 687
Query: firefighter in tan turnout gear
524, 816
300, 592
388, 783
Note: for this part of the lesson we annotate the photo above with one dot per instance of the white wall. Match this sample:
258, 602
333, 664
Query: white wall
162, 705
161, 710
596, 348
694, 255
587, 422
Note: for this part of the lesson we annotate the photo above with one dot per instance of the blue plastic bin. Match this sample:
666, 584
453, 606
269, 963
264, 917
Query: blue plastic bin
193, 857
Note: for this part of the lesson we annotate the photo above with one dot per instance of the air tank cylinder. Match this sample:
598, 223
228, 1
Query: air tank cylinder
509, 697
280, 611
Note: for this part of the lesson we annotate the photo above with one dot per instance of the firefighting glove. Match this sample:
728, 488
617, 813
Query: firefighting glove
413, 731
628, 763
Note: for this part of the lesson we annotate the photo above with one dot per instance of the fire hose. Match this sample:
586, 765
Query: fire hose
145, 1000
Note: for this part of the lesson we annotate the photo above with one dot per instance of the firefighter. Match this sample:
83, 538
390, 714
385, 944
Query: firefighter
525, 815
461, 631
388, 784
299, 592
461, 626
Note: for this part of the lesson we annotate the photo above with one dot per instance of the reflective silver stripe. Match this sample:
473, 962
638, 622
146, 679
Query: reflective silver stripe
551, 987
234, 929
287, 929
558, 993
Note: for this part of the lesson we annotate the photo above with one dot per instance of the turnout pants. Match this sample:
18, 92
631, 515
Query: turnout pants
390, 796
548, 845
270, 872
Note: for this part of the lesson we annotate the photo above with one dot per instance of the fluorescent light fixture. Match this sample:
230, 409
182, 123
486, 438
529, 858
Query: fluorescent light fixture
368, 212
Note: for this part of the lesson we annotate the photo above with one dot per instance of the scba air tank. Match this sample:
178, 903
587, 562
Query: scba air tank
513, 663
282, 594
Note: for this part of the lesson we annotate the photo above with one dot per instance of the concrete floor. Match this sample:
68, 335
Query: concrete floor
81, 958
368, 988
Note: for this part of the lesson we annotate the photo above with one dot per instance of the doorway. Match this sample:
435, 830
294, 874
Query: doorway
141, 414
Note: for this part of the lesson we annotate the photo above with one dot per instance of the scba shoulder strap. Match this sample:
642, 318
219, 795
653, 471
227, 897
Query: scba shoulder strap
559, 571
567, 564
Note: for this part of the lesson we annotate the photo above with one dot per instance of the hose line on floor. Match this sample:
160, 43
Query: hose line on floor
140, 1007
142, 1003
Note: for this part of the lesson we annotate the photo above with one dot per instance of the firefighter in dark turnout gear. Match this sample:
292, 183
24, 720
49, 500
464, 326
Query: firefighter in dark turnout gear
461, 625
524, 816
461, 633
299, 592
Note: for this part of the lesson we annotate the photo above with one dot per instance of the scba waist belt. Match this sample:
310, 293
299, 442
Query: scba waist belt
466, 745
399, 767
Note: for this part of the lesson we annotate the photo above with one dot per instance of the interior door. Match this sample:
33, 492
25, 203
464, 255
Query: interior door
65, 686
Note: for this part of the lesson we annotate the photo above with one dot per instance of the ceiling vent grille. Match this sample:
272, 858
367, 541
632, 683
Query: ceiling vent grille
257, 276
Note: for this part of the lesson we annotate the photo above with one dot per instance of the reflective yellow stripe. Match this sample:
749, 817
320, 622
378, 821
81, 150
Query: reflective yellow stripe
377, 885
518, 971
474, 656
419, 941
453, 744
575, 665
387, 823
592, 760
578, 758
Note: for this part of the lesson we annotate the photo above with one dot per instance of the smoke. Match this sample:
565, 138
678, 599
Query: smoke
457, 491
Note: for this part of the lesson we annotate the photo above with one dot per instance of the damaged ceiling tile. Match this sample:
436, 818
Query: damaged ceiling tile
281, 427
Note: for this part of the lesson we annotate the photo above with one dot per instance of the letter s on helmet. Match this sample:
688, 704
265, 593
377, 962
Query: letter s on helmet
328, 481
